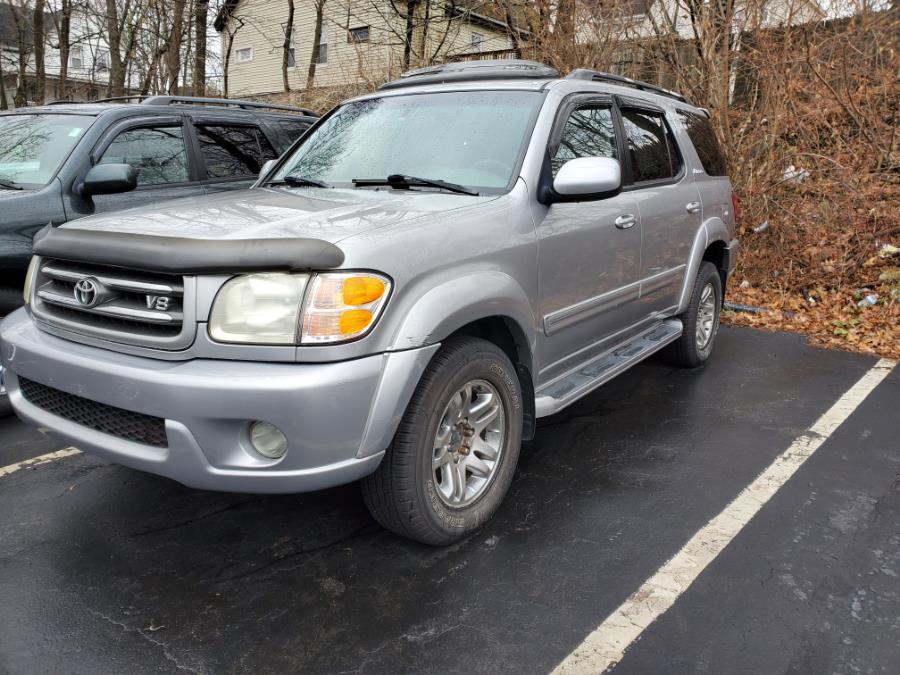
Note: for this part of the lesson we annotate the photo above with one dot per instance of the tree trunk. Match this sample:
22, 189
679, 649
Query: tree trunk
24, 49
410, 29
199, 75
3, 104
114, 40
286, 46
317, 43
63, 30
40, 66
173, 57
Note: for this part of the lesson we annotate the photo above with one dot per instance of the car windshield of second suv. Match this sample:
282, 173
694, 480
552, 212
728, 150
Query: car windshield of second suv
472, 139
32, 147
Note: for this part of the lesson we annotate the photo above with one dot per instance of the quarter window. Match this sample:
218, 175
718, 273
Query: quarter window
589, 132
157, 153
233, 151
703, 137
654, 155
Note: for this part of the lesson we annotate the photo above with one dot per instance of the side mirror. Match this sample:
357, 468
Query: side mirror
107, 179
267, 167
587, 179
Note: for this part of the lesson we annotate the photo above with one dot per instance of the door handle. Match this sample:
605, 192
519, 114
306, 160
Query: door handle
692, 207
625, 221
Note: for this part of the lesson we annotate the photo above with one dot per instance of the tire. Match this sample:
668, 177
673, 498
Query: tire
691, 349
10, 299
416, 491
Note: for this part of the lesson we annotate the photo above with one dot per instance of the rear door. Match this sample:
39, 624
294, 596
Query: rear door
668, 203
158, 150
231, 153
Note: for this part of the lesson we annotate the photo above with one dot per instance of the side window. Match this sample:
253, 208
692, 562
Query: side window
589, 132
157, 153
292, 130
703, 137
233, 151
654, 155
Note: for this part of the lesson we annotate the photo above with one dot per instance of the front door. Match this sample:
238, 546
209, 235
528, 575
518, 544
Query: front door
589, 252
158, 152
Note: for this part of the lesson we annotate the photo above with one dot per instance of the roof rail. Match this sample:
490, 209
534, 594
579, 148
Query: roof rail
597, 76
468, 71
201, 100
153, 99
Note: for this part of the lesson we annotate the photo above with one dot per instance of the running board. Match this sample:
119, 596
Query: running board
556, 395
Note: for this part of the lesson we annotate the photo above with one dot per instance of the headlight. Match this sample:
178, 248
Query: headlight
29, 278
342, 306
258, 309
266, 308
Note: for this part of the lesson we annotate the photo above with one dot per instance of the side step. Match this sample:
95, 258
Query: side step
556, 395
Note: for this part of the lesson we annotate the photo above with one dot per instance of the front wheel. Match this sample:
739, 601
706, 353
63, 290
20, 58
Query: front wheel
700, 320
455, 452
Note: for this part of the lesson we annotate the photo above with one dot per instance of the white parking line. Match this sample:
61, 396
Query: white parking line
37, 461
606, 645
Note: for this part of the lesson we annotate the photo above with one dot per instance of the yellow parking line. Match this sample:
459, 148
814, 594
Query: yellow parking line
37, 461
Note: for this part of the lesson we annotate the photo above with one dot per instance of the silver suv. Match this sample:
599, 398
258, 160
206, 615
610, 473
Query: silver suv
426, 272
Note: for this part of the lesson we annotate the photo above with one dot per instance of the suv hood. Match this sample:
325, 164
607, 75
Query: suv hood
261, 213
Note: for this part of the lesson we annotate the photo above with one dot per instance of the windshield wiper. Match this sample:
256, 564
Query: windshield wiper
399, 180
298, 181
10, 186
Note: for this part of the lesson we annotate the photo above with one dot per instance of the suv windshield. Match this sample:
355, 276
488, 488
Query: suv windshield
472, 139
32, 147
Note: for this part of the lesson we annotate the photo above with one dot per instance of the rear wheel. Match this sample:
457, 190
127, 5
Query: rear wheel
700, 320
454, 455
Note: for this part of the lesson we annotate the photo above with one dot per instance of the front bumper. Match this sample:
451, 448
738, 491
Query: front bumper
338, 417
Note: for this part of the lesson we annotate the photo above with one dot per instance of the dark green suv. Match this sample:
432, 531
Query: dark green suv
63, 161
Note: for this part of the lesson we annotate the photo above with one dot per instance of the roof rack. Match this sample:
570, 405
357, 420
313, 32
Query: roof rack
597, 76
153, 99
468, 71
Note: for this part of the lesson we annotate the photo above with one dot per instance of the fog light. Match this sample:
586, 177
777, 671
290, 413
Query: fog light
268, 440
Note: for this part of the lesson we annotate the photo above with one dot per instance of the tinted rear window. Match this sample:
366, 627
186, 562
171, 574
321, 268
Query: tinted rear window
233, 151
654, 155
704, 139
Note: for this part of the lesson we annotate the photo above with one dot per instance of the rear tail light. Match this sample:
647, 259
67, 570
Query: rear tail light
735, 208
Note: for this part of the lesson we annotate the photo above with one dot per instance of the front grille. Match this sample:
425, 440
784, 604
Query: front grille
142, 308
131, 426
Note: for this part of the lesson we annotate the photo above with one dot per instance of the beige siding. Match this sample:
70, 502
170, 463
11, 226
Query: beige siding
347, 62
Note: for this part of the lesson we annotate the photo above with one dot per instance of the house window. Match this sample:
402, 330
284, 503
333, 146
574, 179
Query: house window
102, 60
245, 54
292, 59
76, 57
360, 34
477, 42
322, 54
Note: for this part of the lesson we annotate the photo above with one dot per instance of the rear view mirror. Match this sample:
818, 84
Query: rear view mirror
107, 179
267, 167
587, 179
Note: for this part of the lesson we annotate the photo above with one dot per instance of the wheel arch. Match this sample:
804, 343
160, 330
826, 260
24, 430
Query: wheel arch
710, 243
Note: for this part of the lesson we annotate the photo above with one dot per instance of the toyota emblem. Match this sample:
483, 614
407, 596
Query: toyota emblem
87, 292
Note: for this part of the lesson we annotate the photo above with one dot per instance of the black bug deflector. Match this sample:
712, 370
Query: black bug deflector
182, 255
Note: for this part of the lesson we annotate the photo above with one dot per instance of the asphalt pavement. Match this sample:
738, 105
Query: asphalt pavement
105, 569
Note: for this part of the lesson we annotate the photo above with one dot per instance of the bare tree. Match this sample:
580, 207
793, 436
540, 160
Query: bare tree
23, 46
231, 28
286, 47
40, 65
173, 53
201, 13
317, 45
63, 19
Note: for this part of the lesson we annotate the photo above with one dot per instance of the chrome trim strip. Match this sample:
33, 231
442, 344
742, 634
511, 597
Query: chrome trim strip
115, 311
592, 306
132, 285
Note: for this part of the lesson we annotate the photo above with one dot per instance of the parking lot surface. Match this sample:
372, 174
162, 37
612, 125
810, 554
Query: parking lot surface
104, 569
